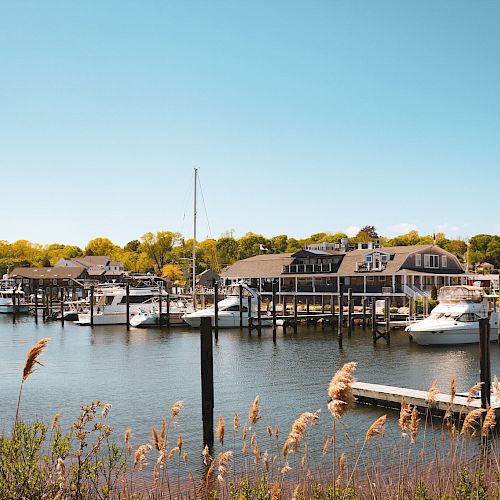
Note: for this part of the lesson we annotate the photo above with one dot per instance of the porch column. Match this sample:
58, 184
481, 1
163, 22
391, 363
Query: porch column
314, 284
279, 285
338, 285
296, 284
364, 284
393, 283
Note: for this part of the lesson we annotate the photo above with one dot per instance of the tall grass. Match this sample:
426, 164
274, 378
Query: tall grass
256, 461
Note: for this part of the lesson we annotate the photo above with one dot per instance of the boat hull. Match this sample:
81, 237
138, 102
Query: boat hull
9, 309
462, 336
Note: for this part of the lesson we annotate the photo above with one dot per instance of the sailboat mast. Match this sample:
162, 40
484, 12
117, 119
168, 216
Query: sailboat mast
194, 237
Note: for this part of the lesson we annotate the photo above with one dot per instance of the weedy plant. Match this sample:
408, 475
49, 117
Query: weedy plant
39, 461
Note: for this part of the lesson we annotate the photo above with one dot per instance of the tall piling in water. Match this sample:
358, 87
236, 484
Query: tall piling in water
207, 382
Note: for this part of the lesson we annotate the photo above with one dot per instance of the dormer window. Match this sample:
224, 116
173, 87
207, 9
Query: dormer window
418, 260
384, 258
369, 258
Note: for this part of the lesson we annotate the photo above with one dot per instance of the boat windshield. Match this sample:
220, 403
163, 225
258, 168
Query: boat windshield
235, 290
441, 315
460, 293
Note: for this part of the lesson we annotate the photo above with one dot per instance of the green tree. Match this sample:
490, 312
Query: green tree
132, 246
100, 246
158, 247
293, 245
279, 243
227, 250
249, 245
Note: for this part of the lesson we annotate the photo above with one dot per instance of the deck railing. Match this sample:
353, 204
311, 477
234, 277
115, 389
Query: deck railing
307, 268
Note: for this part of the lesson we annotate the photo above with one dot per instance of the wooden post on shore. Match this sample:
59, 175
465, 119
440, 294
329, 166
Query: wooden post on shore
363, 303
484, 362
207, 382
374, 319
241, 305
127, 289
167, 319
216, 309
160, 305
308, 306
410, 308
274, 311
388, 320
92, 306
62, 305
249, 313
426, 307
296, 308
50, 302
259, 319
349, 311
36, 306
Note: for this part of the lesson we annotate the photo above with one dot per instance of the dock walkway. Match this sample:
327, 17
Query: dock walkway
390, 397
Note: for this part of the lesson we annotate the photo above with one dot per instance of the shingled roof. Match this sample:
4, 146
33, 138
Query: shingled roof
260, 266
47, 272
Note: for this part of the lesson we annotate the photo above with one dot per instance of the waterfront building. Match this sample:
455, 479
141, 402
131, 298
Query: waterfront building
99, 267
322, 269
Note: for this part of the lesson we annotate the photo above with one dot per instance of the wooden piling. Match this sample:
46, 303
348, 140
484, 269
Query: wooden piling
484, 362
167, 319
341, 310
241, 305
92, 306
216, 310
374, 318
363, 303
259, 312
160, 305
127, 289
14, 306
332, 310
62, 305
296, 313
274, 312
388, 320
207, 382
36, 306
349, 311
249, 313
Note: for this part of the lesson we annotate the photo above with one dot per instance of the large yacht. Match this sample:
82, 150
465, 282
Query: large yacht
7, 303
148, 314
229, 309
455, 320
110, 304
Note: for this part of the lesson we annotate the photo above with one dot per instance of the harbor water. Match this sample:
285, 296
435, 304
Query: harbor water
142, 372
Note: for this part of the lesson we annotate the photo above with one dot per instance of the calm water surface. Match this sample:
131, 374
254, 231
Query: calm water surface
143, 371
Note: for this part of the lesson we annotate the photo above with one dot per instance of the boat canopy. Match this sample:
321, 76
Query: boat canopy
460, 293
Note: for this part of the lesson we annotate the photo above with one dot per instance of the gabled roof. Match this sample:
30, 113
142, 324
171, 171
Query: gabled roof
92, 260
306, 252
260, 266
47, 272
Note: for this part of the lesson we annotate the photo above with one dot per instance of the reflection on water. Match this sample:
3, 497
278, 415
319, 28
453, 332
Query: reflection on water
142, 372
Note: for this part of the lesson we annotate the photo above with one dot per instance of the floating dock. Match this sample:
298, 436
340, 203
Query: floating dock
390, 397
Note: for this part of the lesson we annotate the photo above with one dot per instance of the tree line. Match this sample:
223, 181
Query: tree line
170, 254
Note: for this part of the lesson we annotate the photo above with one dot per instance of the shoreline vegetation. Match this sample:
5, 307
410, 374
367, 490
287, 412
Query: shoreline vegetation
168, 253
449, 458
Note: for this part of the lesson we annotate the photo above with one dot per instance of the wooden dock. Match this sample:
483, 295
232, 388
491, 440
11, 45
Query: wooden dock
390, 397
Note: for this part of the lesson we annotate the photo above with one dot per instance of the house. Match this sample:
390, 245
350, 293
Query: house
368, 270
99, 267
207, 278
34, 278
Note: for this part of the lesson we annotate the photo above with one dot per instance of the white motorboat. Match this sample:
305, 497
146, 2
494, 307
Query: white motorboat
149, 315
229, 309
455, 320
7, 301
110, 304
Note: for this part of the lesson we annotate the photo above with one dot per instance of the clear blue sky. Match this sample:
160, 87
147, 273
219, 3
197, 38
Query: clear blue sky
302, 116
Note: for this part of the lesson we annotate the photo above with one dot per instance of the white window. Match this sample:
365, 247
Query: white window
385, 258
381, 278
370, 278
431, 260
369, 258
418, 260
444, 261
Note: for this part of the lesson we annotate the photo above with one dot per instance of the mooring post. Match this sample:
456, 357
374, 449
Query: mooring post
160, 305
249, 313
127, 289
426, 307
207, 382
14, 308
274, 311
349, 311
62, 305
36, 306
484, 362
259, 312
363, 303
308, 306
216, 309
92, 306
374, 319
241, 305
388, 320
341, 310
332, 310
410, 308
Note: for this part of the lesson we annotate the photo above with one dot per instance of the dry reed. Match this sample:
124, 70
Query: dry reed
377, 428
432, 393
220, 431
473, 391
253, 413
340, 390
470, 421
414, 424
32, 358
489, 422
55, 421
176, 408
